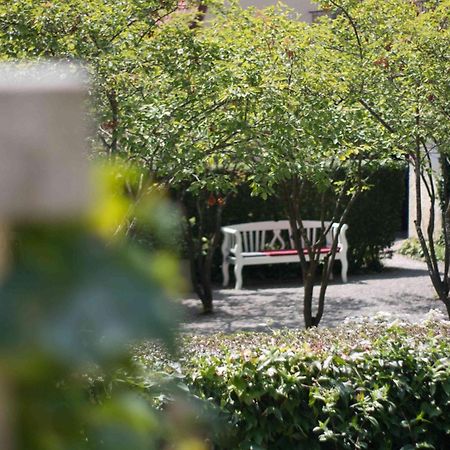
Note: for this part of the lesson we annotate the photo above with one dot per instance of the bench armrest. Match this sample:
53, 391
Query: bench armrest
229, 230
342, 237
230, 235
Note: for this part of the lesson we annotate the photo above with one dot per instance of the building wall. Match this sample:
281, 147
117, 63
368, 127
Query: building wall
425, 202
306, 8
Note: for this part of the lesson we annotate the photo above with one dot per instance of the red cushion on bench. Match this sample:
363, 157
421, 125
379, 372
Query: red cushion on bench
280, 252
294, 252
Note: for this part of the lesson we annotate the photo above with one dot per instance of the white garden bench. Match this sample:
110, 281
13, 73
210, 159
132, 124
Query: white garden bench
249, 244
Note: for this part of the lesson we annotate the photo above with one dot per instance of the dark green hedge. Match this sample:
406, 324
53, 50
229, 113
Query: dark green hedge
376, 219
367, 386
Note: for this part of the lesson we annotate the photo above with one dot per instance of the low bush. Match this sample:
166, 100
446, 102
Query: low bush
366, 386
411, 247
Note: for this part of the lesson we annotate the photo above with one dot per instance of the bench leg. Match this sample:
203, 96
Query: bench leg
225, 273
344, 268
238, 275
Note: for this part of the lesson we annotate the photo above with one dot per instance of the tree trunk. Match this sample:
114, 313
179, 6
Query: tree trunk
205, 277
207, 261
427, 247
201, 264
447, 306
200, 273
308, 292
197, 279
327, 268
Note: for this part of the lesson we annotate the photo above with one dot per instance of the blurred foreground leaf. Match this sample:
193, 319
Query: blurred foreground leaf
71, 296
76, 297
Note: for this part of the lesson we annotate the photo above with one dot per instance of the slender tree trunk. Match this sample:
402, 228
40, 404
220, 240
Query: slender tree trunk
447, 306
428, 251
308, 293
202, 264
208, 261
327, 267
204, 274
200, 272
446, 216
425, 175
446, 220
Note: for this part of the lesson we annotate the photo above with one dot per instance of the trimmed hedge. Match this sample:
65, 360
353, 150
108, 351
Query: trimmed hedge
366, 386
375, 219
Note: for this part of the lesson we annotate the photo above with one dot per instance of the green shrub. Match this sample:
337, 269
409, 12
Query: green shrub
412, 248
368, 386
375, 219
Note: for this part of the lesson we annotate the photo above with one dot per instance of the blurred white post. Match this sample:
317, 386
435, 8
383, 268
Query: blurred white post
43, 170
43, 161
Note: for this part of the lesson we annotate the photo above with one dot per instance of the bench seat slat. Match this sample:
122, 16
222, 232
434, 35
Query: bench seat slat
276, 253
322, 251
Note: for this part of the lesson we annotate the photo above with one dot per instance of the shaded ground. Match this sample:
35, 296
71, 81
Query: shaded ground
403, 289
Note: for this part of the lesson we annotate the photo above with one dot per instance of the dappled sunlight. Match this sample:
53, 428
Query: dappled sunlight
403, 289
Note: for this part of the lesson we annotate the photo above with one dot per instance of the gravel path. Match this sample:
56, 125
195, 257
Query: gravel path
402, 290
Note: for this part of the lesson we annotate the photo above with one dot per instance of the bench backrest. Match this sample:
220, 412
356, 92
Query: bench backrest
259, 236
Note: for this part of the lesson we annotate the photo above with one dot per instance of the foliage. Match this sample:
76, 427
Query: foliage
375, 219
196, 111
215, 110
411, 247
372, 385
108, 38
310, 131
240, 100
159, 91
255, 96
75, 297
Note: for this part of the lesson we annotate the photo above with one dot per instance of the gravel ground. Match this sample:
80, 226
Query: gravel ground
403, 290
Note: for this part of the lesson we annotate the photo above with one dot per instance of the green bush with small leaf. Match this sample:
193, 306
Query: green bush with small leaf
368, 386
411, 247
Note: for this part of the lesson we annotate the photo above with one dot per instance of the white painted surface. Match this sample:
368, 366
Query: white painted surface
43, 170
412, 213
